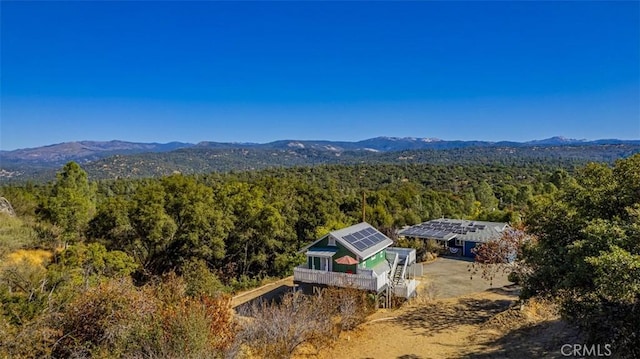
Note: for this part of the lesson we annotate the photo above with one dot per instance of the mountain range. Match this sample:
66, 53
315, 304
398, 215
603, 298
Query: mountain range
138, 159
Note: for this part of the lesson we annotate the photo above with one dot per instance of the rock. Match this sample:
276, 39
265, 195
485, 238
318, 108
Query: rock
5, 207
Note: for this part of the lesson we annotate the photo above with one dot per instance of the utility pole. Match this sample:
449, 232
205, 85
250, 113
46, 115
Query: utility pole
364, 203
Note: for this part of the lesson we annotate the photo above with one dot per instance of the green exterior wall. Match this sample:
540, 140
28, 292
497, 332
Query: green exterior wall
316, 261
344, 268
375, 259
343, 251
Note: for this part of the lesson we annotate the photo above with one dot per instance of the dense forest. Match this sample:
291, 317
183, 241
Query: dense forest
202, 159
78, 248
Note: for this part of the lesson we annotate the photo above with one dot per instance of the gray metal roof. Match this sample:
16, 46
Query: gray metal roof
445, 229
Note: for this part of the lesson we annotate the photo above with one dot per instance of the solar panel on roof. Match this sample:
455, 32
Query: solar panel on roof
363, 232
349, 238
368, 242
369, 237
360, 246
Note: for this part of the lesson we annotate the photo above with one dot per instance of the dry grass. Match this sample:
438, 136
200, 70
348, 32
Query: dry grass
427, 292
523, 314
14, 234
36, 257
482, 325
300, 324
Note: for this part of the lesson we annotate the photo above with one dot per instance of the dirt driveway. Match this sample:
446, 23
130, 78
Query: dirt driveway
451, 278
469, 318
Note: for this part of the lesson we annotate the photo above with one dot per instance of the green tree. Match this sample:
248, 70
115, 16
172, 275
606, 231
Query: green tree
89, 264
154, 229
201, 225
588, 252
486, 196
111, 223
71, 204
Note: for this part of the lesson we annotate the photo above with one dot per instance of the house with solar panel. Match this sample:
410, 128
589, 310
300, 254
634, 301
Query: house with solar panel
457, 236
359, 257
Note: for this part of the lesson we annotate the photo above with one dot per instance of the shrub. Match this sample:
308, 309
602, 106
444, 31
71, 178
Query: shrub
33, 339
200, 280
514, 277
107, 316
276, 330
352, 306
116, 319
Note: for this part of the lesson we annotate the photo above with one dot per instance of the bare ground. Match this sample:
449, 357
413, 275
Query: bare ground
456, 317
482, 325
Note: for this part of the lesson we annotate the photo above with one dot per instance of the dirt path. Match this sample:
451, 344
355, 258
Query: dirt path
477, 326
441, 329
266, 292
456, 317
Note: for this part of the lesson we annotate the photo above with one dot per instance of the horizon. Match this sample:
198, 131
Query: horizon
268, 71
558, 137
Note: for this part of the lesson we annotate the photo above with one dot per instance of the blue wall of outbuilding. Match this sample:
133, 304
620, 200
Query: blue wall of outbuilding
468, 246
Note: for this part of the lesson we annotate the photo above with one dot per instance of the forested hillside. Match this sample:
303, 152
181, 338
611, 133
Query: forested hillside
79, 247
209, 158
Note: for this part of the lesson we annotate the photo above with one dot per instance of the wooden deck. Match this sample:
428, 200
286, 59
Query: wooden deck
406, 289
396, 277
368, 281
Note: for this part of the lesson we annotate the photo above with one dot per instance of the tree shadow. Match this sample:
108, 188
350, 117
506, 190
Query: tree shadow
512, 289
409, 356
542, 340
436, 317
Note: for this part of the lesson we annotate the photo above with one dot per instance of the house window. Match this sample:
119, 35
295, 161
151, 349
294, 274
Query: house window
459, 242
324, 264
332, 241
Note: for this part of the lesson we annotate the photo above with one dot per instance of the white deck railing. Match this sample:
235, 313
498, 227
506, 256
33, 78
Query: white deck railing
394, 266
404, 270
408, 253
406, 289
359, 281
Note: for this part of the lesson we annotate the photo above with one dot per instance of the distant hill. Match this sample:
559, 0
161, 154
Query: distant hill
126, 159
558, 140
82, 151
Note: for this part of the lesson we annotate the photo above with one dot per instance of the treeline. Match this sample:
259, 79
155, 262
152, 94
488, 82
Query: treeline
251, 224
198, 160
136, 265
581, 249
587, 252
140, 267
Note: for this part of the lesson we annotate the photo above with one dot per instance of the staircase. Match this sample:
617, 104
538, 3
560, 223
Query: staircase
398, 275
394, 269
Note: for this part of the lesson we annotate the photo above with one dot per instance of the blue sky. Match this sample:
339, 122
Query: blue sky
262, 71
